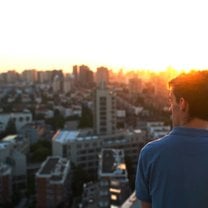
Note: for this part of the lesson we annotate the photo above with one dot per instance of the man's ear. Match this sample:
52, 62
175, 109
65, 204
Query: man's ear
183, 104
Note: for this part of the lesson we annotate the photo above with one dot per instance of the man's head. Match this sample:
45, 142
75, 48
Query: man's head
189, 97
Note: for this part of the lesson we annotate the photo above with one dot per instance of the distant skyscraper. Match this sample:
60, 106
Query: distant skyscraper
104, 110
75, 72
67, 85
102, 75
30, 75
85, 76
57, 81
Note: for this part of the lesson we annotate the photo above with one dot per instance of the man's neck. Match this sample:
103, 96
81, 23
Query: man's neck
196, 123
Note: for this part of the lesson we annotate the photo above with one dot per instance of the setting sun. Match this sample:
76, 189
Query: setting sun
118, 34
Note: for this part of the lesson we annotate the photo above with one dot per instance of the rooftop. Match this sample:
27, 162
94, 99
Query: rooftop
66, 136
112, 163
54, 167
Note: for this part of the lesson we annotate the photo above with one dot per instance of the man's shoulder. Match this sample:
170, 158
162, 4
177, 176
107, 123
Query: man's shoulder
156, 145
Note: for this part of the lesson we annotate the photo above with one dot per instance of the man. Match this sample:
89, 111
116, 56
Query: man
172, 171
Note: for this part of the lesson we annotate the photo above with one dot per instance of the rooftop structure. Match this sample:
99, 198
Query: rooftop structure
52, 182
112, 163
113, 178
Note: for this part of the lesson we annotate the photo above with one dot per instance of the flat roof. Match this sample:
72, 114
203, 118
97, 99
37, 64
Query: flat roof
49, 166
65, 136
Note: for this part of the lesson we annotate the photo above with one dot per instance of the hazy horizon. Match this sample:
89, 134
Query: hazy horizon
124, 34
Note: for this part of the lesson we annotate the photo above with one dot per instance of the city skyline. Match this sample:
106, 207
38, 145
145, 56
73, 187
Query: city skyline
46, 35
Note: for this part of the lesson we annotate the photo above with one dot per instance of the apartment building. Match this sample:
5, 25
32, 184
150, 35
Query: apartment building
104, 110
102, 75
20, 119
12, 152
53, 183
82, 147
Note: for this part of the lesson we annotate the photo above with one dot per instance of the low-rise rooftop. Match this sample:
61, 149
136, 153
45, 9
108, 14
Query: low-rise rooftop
54, 168
112, 163
66, 136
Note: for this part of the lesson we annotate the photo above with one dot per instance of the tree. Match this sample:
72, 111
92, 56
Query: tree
86, 118
11, 127
57, 122
40, 150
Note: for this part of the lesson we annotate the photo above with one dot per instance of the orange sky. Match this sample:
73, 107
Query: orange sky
130, 34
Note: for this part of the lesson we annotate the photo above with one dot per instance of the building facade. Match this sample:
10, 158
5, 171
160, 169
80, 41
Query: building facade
104, 110
20, 119
83, 147
53, 183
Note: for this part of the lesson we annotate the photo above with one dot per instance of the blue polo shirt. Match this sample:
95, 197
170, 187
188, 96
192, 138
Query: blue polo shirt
172, 172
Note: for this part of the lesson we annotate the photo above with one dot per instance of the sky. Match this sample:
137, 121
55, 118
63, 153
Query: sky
128, 34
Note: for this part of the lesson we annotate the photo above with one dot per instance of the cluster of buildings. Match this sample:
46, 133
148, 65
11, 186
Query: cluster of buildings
102, 151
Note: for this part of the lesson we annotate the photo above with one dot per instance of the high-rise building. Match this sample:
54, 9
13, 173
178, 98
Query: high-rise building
75, 72
67, 85
12, 76
53, 183
57, 82
30, 75
102, 75
85, 76
104, 110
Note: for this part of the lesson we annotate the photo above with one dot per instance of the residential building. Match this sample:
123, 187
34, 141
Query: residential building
20, 119
13, 152
53, 183
67, 85
104, 110
30, 76
57, 84
82, 147
85, 76
102, 75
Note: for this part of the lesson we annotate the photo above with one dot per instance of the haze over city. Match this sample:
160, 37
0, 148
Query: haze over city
118, 34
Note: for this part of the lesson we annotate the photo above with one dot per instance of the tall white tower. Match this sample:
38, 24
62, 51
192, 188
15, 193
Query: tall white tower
104, 110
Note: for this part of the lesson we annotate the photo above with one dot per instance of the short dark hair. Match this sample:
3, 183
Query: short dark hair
193, 87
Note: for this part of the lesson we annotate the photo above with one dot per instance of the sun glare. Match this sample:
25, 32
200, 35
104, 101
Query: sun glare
117, 34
